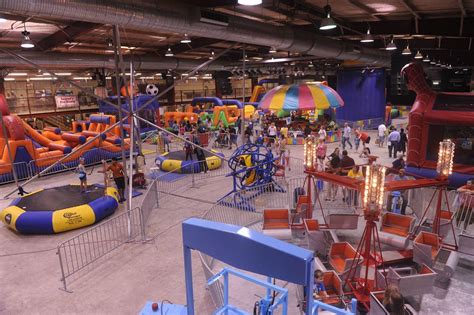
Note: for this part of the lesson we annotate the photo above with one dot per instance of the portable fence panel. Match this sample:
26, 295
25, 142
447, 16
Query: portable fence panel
463, 207
87, 247
22, 172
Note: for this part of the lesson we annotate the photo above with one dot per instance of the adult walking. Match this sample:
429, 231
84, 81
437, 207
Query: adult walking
346, 136
402, 144
381, 133
392, 142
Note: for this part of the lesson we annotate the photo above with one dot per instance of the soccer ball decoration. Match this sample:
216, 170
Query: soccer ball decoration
152, 90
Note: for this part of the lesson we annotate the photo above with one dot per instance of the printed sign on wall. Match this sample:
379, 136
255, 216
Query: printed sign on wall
66, 101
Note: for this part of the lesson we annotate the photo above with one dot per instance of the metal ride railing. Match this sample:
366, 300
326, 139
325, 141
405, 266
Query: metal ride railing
463, 208
82, 250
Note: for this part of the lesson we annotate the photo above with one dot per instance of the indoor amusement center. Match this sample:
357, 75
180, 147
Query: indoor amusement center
230, 157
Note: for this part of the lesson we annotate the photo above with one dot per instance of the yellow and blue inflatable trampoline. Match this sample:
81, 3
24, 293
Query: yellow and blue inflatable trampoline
59, 209
175, 162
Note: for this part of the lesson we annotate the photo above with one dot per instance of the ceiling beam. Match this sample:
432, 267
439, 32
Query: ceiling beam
66, 34
410, 8
461, 6
196, 43
211, 3
365, 8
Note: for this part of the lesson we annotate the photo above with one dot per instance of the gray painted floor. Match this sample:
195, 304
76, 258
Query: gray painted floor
124, 280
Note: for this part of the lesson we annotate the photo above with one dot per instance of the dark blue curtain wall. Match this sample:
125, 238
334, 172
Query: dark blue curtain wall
363, 93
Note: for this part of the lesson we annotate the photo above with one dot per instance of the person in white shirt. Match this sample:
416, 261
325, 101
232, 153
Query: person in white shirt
392, 142
322, 133
346, 136
381, 130
272, 133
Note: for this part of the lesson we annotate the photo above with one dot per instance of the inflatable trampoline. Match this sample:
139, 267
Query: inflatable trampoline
59, 209
175, 161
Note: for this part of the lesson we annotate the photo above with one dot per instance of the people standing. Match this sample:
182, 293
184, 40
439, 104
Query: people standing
346, 136
392, 142
119, 178
333, 167
381, 133
201, 157
402, 144
321, 150
272, 132
322, 133
188, 150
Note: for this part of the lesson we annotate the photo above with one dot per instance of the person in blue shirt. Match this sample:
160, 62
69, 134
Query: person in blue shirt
319, 291
392, 141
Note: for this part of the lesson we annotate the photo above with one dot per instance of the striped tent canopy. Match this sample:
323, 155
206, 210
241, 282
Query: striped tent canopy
301, 97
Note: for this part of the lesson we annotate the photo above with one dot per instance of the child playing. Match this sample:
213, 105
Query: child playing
319, 291
81, 170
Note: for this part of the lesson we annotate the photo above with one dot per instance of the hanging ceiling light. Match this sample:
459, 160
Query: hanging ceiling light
438, 63
391, 46
186, 39
418, 55
311, 64
426, 58
249, 2
433, 62
406, 51
169, 53
368, 38
327, 23
26, 42
272, 50
211, 56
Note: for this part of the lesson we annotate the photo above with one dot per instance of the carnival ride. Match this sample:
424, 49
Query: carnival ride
176, 162
253, 166
434, 117
59, 209
250, 252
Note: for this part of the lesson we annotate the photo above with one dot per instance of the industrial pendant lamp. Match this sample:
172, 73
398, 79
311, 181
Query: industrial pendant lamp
426, 58
186, 39
406, 51
26, 42
169, 53
418, 55
327, 23
272, 50
391, 45
368, 38
211, 56
249, 2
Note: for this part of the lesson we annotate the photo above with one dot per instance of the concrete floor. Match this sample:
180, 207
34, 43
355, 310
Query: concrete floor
123, 281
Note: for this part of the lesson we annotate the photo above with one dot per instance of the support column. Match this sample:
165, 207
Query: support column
242, 111
116, 34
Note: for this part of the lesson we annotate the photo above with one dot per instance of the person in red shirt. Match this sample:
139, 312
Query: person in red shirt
119, 178
361, 137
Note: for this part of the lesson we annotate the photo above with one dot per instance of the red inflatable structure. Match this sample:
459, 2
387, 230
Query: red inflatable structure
434, 117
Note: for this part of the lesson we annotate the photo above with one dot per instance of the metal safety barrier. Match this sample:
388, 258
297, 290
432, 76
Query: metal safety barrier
82, 250
463, 208
22, 172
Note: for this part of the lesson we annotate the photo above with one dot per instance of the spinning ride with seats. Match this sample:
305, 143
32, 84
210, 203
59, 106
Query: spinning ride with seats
253, 169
